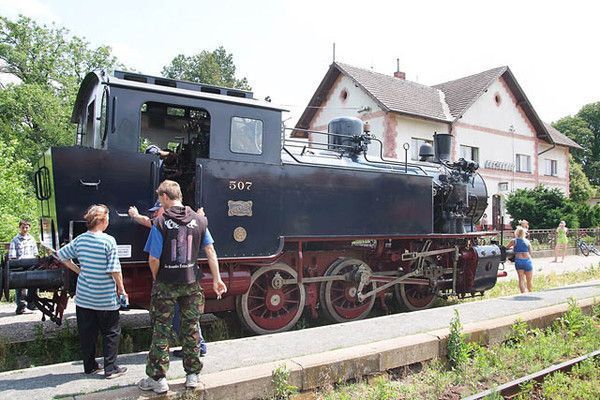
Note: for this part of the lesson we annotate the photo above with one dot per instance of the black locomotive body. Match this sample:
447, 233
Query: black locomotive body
329, 227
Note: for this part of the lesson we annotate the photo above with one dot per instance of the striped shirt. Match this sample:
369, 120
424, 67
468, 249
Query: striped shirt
97, 256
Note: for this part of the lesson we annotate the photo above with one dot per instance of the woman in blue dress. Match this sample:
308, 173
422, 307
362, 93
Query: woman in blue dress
523, 264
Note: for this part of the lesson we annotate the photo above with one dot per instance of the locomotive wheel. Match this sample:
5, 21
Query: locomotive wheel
338, 298
413, 297
269, 306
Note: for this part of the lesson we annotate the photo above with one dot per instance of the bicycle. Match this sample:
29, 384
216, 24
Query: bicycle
587, 248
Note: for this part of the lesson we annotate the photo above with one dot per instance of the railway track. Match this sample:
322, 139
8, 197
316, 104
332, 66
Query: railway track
511, 389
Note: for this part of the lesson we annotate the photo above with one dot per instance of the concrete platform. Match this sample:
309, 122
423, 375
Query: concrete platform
21, 328
242, 368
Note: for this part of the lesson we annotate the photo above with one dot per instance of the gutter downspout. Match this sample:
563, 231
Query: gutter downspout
547, 150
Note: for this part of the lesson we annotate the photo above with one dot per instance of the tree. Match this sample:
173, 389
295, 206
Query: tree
211, 67
544, 208
16, 201
580, 188
50, 64
33, 119
48, 56
584, 128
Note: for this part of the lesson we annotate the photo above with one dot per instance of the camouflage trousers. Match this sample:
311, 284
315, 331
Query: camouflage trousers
190, 298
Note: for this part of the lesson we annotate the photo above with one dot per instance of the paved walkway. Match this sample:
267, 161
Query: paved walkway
21, 328
67, 379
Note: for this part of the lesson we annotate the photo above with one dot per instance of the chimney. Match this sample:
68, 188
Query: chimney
399, 74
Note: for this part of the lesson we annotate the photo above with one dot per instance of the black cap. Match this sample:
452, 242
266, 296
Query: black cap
155, 207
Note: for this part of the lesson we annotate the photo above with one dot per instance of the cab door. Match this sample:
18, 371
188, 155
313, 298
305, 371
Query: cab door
118, 179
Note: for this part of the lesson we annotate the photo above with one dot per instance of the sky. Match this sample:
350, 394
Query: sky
284, 48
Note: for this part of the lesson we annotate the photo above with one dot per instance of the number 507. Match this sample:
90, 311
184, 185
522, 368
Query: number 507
240, 185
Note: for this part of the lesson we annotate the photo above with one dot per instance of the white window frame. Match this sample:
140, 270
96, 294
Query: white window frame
415, 145
469, 152
550, 167
521, 159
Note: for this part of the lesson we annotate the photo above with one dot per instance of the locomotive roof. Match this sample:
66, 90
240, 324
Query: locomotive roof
163, 85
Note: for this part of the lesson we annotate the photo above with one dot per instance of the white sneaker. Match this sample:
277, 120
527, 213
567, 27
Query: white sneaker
192, 381
159, 386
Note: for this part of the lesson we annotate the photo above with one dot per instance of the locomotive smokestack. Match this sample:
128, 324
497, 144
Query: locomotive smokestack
442, 144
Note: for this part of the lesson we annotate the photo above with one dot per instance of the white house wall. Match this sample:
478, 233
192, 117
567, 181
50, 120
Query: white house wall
494, 123
390, 128
500, 129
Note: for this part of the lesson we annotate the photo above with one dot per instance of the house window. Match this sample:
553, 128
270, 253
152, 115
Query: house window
498, 99
415, 145
551, 167
523, 162
503, 187
343, 95
469, 153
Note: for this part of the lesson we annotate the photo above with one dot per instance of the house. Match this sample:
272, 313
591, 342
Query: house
488, 114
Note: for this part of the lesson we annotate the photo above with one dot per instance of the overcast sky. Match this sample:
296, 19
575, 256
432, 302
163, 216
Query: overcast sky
284, 48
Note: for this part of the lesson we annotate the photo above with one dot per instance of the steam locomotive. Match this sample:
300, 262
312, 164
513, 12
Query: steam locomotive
327, 226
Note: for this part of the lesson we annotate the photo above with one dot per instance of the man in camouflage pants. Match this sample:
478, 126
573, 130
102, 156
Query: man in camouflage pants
173, 246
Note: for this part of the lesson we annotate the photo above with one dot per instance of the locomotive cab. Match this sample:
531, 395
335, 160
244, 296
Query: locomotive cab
118, 118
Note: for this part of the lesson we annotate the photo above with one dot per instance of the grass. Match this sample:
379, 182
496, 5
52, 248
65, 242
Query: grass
540, 282
525, 351
63, 347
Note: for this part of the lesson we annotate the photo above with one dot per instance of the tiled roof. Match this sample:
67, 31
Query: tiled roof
443, 102
400, 95
559, 138
462, 93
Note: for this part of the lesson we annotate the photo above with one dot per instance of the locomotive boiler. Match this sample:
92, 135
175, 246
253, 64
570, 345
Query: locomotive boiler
324, 227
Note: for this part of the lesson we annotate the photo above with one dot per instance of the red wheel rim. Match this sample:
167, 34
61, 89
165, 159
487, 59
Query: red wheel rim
272, 309
418, 296
343, 297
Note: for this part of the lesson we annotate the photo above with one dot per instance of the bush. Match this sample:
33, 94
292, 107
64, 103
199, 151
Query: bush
544, 208
458, 352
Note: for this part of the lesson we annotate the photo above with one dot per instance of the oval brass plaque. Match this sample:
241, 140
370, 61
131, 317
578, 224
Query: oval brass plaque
239, 234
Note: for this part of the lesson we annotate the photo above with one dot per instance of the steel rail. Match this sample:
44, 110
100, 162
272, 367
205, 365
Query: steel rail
513, 388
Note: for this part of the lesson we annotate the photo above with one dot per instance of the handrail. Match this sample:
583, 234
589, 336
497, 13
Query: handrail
325, 147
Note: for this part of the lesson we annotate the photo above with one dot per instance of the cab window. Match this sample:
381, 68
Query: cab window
246, 135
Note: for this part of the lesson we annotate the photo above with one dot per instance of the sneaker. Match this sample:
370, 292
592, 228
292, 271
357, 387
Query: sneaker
159, 386
20, 310
118, 371
31, 306
192, 381
94, 370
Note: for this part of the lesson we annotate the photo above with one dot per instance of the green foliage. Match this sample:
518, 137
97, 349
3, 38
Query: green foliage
582, 383
457, 347
16, 201
63, 347
588, 217
519, 331
218, 330
544, 208
580, 189
48, 55
574, 322
584, 128
211, 67
281, 386
48, 64
33, 118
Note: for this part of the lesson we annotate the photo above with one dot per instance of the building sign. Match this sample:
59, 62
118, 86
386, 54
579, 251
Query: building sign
501, 165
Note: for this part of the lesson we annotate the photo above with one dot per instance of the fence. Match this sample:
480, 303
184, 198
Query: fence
545, 239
